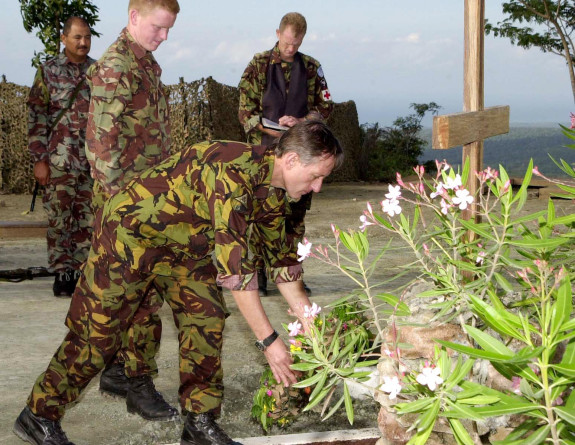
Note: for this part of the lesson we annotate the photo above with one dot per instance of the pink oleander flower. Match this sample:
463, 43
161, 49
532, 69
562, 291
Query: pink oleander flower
303, 250
334, 230
462, 198
480, 257
394, 192
515, 383
399, 180
572, 121
269, 392
311, 312
430, 377
419, 170
438, 191
364, 222
391, 385
391, 207
453, 183
536, 171
488, 174
444, 207
294, 328
506, 186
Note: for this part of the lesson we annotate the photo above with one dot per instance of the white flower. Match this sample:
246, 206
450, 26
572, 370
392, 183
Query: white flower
303, 250
391, 207
311, 312
394, 192
430, 377
391, 385
462, 199
294, 328
453, 183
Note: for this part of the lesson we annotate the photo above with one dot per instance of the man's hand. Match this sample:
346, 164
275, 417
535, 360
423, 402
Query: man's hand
42, 172
280, 361
290, 121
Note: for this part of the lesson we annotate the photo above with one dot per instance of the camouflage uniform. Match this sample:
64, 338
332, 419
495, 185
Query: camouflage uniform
253, 84
252, 87
68, 195
128, 132
161, 231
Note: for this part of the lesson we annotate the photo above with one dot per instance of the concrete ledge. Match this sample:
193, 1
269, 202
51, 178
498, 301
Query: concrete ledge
367, 436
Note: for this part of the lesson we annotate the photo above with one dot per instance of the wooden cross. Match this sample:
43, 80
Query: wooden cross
476, 123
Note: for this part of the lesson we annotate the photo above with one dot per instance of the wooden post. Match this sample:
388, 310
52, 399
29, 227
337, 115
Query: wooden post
475, 123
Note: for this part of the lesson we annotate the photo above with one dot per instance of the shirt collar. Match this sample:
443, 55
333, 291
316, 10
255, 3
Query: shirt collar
136, 48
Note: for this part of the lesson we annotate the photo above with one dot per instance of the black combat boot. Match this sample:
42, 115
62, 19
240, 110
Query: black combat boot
74, 276
39, 431
62, 284
202, 429
262, 283
144, 400
114, 381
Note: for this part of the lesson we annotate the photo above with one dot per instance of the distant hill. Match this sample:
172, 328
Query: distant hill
513, 150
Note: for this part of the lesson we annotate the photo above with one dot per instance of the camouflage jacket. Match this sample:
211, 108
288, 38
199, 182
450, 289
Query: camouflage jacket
128, 127
53, 86
203, 199
253, 85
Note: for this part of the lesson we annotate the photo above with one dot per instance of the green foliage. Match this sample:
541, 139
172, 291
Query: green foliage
543, 24
388, 150
505, 279
48, 17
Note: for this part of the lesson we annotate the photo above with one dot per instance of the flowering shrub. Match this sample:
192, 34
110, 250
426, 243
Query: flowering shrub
505, 279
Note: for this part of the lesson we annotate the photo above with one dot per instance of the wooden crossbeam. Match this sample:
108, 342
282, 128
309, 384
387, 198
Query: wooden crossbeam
452, 130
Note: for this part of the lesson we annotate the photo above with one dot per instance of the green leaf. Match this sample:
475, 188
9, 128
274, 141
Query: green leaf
309, 381
303, 366
503, 283
460, 433
506, 408
564, 306
348, 403
428, 419
348, 241
459, 373
476, 353
567, 414
479, 400
334, 409
415, 406
488, 342
538, 436
460, 412
565, 369
569, 354
538, 244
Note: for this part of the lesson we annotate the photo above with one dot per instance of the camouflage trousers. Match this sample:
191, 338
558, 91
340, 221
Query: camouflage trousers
67, 201
107, 300
145, 332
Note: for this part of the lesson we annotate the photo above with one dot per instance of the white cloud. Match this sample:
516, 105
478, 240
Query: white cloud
414, 37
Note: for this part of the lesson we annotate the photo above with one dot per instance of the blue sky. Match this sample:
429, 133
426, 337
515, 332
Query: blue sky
383, 54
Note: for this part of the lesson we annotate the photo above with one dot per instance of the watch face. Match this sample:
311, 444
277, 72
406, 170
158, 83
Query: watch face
260, 346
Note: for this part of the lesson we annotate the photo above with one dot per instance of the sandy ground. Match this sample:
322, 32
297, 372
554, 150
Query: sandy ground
31, 327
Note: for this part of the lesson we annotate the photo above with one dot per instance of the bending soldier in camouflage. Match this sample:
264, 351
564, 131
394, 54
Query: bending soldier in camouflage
161, 232
57, 115
285, 87
128, 132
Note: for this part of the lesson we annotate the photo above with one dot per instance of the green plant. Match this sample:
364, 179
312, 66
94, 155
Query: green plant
505, 280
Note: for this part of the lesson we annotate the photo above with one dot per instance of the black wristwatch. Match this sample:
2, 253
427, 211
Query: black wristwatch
262, 345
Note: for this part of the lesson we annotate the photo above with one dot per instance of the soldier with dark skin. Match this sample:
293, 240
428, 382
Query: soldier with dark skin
128, 132
164, 230
58, 112
285, 87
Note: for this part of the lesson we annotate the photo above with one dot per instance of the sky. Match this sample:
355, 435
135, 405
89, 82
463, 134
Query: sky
382, 54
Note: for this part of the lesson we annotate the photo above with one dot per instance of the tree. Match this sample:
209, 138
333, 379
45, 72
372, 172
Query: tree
393, 149
553, 21
48, 17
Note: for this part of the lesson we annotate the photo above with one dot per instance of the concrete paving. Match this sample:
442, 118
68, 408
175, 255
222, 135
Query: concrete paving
31, 327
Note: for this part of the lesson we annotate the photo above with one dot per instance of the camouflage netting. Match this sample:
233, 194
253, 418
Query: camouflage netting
199, 110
